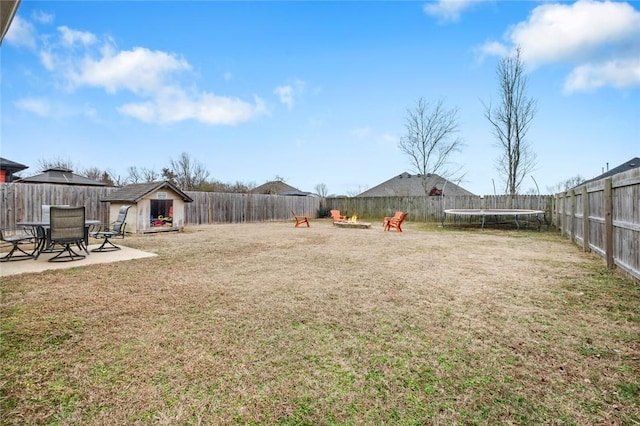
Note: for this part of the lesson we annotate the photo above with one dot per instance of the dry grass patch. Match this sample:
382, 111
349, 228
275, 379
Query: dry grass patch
266, 323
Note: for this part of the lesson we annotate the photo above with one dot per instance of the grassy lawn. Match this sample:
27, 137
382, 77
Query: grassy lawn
271, 324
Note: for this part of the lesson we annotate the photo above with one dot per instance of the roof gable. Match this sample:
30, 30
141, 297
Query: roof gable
137, 191
406, 184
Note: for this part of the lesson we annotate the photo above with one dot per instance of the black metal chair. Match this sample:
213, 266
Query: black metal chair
107, 232
18, 237
67, 229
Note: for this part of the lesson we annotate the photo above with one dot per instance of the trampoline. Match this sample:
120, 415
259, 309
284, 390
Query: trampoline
516, 214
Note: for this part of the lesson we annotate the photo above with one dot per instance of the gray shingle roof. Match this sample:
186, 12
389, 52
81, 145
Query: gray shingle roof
279, 188
60, 175
11, 166
628, 165
137, 191
406, 184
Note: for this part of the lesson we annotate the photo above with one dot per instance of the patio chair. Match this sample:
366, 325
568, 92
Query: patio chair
67, 229
106, 232
300, 220
18, 237
337, 217
396, 222
386, 220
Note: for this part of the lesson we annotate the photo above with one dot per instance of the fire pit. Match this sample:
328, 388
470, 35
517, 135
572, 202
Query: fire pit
352, 222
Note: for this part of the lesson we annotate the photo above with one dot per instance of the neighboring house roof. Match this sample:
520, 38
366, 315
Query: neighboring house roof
406, 184
11, 166
278, 187
8, 9
137, 191
631, 164
61, 175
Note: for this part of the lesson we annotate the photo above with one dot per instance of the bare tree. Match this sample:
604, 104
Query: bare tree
116, 178
567, 184
431, 139
55, 163
142, 175
321, 190
149, 175
217, 186
93, 173
133, 175
97, 174
511, 120
188, 174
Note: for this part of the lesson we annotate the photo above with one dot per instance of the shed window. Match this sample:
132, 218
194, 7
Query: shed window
161, 212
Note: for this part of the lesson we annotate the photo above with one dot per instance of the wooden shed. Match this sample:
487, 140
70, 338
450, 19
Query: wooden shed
155, 206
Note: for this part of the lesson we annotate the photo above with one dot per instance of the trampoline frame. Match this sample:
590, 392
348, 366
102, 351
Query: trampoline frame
538, 214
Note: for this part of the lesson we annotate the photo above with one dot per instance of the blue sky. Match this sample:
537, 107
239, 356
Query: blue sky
314, 92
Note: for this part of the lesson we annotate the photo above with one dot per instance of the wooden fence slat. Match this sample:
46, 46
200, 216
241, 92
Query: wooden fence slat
611, 219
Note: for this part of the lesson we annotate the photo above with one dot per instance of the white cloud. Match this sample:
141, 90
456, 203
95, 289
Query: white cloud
140, 70
172, 105
21, 33
448, 10
559, 32
71, 37
614, 74
601, 39
37, 106
285, 93
77, 59
42, 17
492, 48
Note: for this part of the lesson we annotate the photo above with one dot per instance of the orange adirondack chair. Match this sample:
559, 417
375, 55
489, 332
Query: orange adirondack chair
386, 220
395, 222
337, 217
300, 220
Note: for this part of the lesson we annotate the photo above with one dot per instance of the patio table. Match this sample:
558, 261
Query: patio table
42, 232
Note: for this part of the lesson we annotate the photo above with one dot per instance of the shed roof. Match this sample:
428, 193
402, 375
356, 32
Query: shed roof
63, 176
11, 166
406, 184
137, 191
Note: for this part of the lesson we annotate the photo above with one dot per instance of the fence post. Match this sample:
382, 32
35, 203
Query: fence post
565, 213
585, 219
608, 222
557, 213
572, 213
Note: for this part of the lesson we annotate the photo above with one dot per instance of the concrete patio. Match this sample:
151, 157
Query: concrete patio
43, 264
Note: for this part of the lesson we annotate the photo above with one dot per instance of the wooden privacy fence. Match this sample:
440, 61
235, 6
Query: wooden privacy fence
430, 209
23, 201
604, 217
214, 207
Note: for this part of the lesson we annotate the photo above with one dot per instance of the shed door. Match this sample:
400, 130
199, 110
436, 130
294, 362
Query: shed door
161, 212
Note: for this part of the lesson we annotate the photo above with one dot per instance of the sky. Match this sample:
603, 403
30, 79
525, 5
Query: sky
315, 92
